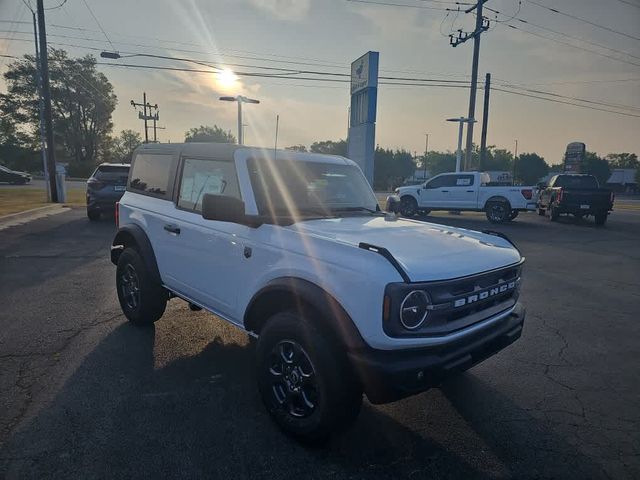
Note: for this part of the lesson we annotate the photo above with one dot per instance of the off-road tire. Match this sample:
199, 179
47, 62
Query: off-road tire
142, 300
93, 215
541, 212
408, 206
334, 391
554, 214
498, 212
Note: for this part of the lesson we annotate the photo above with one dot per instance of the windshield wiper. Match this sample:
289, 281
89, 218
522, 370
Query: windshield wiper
354, 209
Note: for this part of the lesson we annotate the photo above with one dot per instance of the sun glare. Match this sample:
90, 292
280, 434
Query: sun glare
226, 78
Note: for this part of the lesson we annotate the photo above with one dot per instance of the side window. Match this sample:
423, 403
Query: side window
206, 176
463, 181
152, 174
443, 181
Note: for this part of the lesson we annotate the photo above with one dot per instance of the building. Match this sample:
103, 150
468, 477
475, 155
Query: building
623, 180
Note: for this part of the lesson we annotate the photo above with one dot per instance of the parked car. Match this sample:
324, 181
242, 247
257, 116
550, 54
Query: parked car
463, 191
105, 187
578, 195
13, 177
293, 249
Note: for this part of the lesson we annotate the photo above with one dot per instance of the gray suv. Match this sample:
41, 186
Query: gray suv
105, 187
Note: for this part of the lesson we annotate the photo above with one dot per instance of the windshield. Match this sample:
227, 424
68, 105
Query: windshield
576, 181
112, 174
296, 188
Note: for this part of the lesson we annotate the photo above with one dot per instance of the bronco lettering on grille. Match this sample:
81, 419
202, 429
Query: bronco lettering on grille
490, 292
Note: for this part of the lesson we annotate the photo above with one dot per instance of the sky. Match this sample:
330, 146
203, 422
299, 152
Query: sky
327, 35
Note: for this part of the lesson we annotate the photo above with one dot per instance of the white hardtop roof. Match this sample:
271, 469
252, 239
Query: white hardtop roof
228, 151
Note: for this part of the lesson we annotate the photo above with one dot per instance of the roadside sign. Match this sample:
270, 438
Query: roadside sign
574, 157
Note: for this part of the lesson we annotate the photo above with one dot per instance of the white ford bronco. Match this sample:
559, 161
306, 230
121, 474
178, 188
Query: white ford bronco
292, 247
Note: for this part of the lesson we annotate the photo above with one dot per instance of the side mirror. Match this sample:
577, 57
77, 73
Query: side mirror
393, 204
223, 208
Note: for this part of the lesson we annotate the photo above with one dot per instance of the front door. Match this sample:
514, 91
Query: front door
435, 193
462, 192
208, 259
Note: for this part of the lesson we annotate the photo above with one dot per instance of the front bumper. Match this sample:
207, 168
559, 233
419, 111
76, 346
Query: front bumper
388, 376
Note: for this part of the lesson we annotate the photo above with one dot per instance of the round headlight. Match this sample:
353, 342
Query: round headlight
414, 309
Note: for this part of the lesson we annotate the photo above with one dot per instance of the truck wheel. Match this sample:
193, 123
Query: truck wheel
541, 212
498, 212
408, 206
600, 218
304, 380
93, 215
142, 299
553, 213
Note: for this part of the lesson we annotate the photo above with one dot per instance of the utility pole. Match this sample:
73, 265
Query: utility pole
485, 122
43, 141
46, 96
144, 116
426, 152
482, 25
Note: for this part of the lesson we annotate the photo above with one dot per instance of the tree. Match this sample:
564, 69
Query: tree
297, 148
82, 101
530, 168
498, 159
391, 168
330, 147
441, 162
205, 133
623, 160
120, 149
596, 166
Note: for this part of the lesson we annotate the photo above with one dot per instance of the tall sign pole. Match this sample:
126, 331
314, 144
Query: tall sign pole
46, 97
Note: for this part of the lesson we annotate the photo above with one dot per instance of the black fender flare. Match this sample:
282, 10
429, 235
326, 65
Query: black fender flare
297, 293
135, 237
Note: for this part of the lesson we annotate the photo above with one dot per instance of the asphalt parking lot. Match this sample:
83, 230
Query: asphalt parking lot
85, 395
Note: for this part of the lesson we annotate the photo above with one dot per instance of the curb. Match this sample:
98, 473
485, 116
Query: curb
27, 213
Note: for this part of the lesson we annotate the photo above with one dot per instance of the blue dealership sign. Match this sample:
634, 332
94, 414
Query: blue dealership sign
362, 119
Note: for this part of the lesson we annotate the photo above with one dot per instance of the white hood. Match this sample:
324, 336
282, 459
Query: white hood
426, 251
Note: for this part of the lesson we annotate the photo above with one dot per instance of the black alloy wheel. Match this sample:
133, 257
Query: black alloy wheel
293, 379
130, 287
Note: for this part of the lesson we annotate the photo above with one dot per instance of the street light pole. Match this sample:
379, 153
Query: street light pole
240, 99
461, 121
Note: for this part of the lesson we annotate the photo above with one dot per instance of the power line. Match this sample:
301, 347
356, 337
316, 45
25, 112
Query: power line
389, 4
629, 3
584, 20
97, 22
527, 22
565, 103
535, 34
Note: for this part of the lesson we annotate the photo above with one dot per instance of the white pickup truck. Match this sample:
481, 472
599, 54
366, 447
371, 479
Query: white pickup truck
463, 191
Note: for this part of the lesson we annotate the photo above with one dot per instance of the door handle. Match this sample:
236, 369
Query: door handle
470, 191
172, 229
444, 191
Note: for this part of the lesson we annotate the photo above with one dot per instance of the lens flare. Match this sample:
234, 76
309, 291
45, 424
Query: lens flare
226, 78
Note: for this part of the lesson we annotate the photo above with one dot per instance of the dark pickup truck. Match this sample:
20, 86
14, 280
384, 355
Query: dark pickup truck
579, 195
